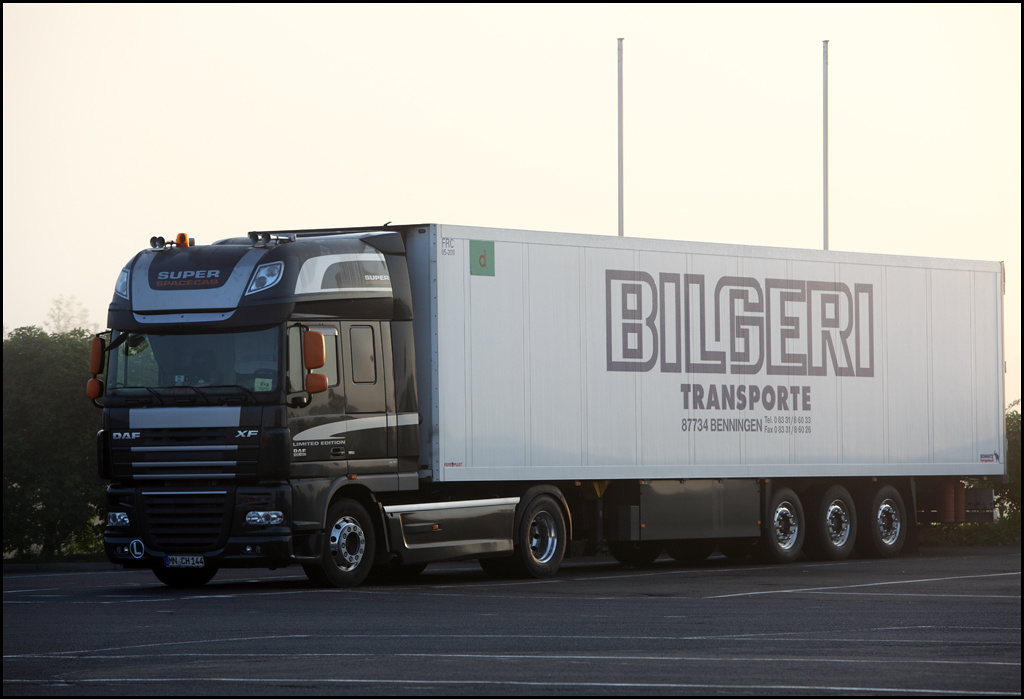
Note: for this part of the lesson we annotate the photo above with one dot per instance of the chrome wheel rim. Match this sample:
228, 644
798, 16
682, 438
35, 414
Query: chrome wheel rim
543, 537
838, 523
348, 543
786, 526
888, 522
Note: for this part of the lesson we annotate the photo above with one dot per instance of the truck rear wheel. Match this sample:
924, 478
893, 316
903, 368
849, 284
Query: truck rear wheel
883, 529
349, 544
783, 537
542, 534
831, 524
184, 577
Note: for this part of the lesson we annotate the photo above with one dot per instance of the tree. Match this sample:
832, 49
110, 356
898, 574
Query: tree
66, 314
51, 490
1008, 495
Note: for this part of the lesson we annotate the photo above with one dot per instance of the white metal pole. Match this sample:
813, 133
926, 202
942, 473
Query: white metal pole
825, 137
621, 219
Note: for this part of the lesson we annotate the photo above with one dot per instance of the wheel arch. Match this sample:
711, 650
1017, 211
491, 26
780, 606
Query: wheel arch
358, 492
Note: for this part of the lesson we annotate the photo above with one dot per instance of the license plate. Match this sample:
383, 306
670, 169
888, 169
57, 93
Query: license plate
184, 561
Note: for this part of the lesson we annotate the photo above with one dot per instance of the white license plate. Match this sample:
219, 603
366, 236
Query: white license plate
184, 561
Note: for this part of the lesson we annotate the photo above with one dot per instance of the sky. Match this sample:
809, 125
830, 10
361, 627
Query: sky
125, 121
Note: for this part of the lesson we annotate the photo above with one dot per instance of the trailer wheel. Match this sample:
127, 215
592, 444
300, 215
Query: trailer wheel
184, 578
349, 541
542, 535
638, 554
831, 524
883, 530
690, 551
783, 536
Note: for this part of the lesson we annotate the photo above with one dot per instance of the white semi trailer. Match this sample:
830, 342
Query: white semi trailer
358, 398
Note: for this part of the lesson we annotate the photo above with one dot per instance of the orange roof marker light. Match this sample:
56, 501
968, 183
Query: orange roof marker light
181, 241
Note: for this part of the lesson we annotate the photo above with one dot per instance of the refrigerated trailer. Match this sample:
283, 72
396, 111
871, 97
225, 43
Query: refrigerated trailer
376, 399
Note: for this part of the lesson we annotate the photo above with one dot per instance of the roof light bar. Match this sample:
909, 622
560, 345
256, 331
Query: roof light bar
267, 238
181, 240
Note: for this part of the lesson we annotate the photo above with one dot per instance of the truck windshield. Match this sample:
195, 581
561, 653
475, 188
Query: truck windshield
247, 362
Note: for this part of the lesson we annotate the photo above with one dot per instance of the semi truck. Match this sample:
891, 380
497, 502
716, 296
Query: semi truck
375, 399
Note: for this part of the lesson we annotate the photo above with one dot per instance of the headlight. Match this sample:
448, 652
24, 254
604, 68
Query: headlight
264, 518
117, 519
265, 277
122, 288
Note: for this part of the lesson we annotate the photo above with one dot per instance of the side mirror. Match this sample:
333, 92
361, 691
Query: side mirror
94, 389
315, 383
314, 352
96, 355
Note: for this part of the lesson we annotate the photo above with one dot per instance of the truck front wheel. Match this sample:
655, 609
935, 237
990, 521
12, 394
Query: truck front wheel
349, 544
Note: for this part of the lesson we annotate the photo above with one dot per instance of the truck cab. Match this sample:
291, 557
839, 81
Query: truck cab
247, 382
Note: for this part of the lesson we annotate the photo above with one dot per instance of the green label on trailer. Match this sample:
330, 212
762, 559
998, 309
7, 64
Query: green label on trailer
481, 258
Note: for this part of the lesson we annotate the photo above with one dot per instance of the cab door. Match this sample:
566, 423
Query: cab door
319, 446
366, 405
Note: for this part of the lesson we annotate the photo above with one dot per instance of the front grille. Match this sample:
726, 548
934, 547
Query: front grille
189, 454
186, 522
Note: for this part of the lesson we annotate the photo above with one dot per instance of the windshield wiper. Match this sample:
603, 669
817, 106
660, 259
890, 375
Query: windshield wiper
204, 391
151, 395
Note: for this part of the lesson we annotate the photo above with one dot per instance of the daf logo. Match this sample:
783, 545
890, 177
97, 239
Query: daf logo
242, 434
126, 435
137, 548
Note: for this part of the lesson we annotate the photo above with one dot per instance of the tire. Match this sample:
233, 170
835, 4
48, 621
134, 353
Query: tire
883, 525
783, 537
831, 524
184, 578
638, 554
691, 551
542, 534
349, 544
316, 575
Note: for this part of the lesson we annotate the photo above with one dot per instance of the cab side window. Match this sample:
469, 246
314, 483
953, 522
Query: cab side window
295, 369
364, 356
